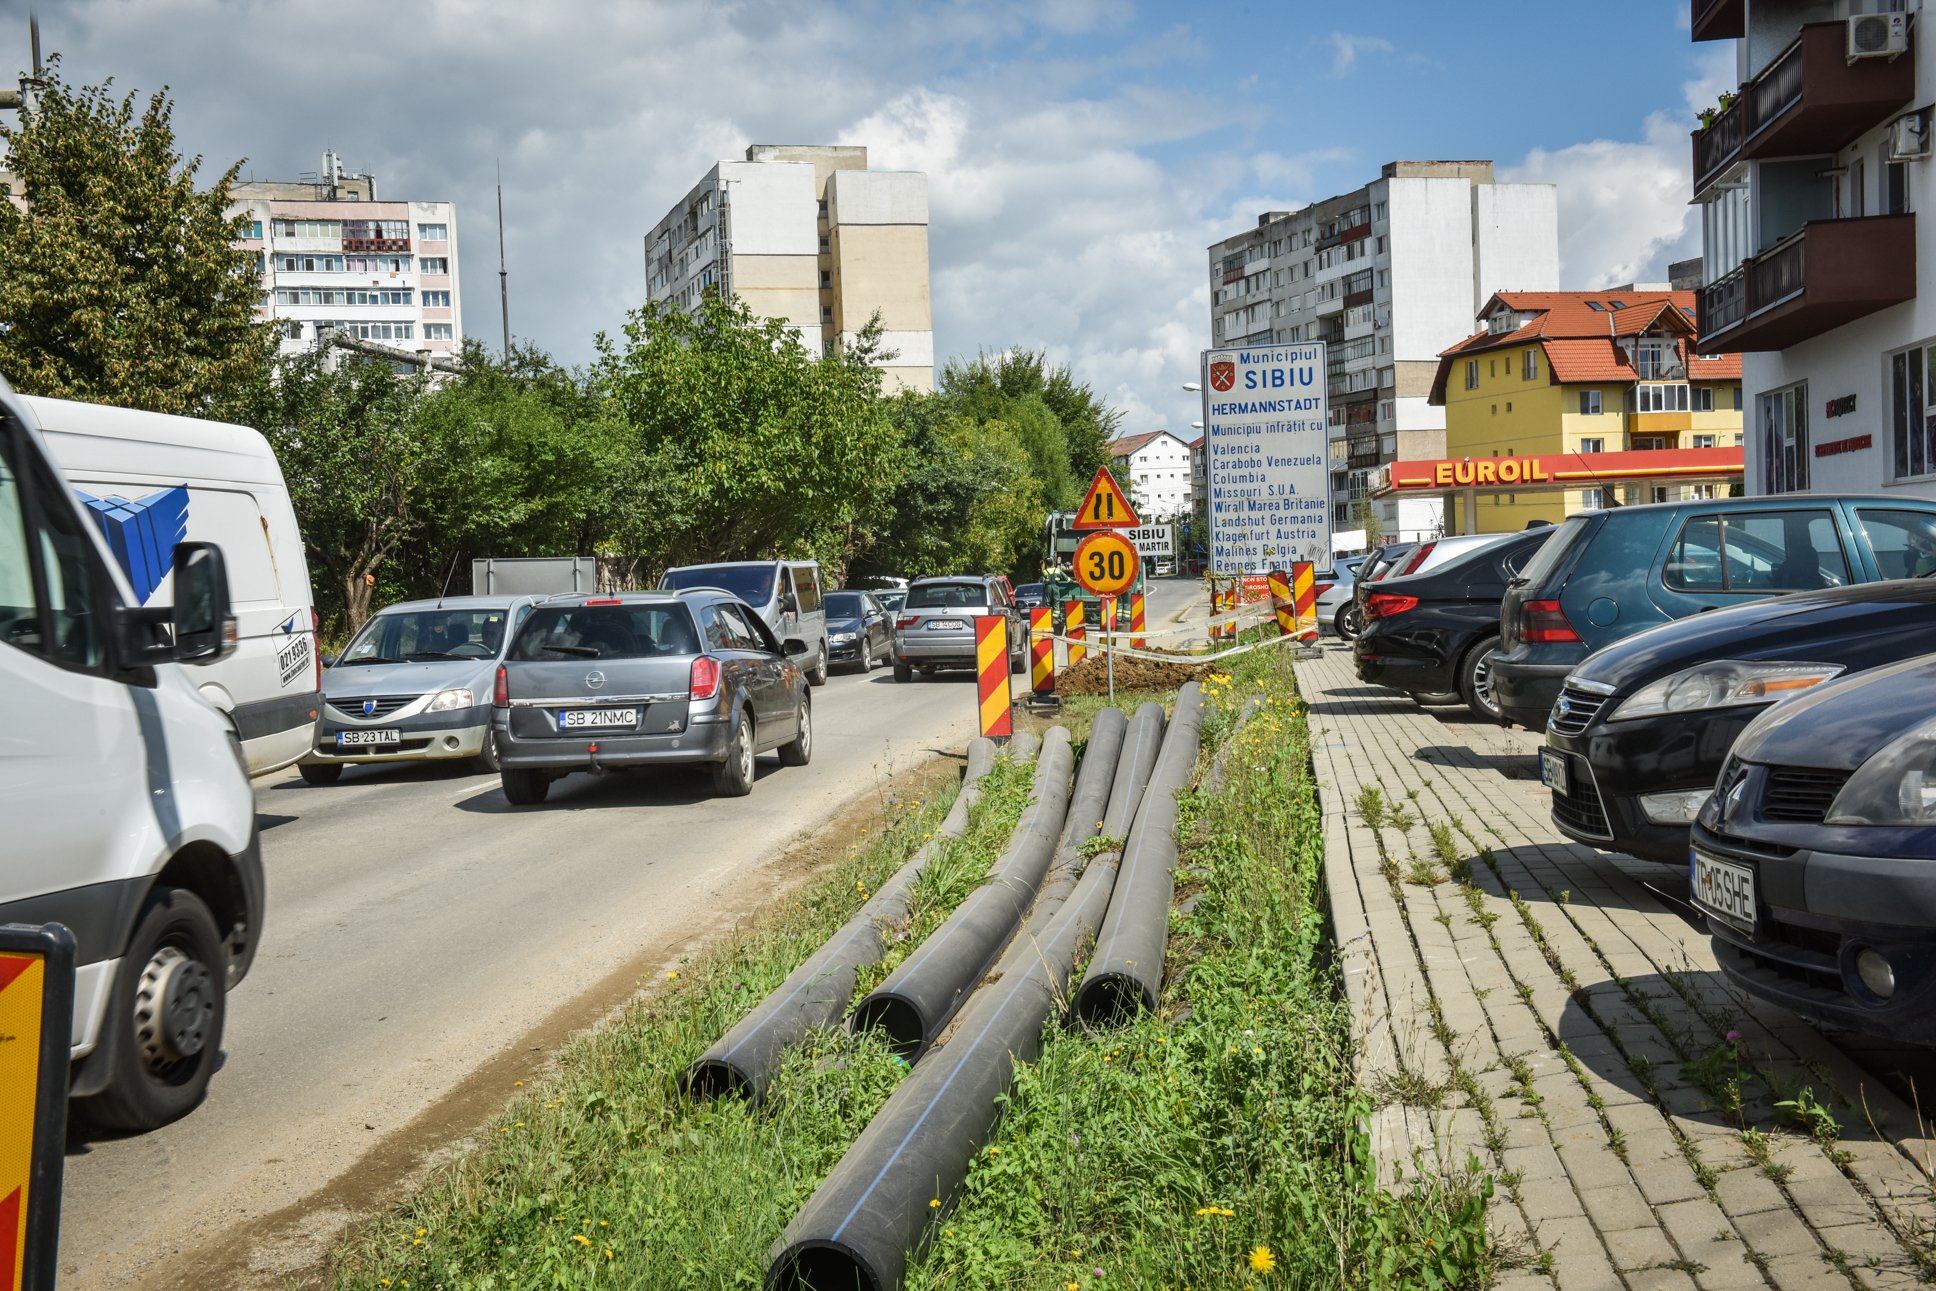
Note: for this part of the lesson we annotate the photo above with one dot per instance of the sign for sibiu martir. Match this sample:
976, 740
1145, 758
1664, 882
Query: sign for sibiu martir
1264, 414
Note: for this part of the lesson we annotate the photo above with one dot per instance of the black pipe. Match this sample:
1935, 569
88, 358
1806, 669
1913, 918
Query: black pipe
1133, 767
817, 993
904, 1172
1126, 971
918, 997
1088, 806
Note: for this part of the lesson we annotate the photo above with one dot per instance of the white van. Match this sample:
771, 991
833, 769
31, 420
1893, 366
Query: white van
125, 807
149, 481
789, 595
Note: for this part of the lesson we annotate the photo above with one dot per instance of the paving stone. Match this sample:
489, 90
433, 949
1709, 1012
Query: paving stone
1616, 1207
1775, 1232
1578, 1256
1806, 1273
1658, 1279
1637, 1248
1748, 1192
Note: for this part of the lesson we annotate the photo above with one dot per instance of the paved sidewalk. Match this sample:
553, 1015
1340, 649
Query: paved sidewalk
1534, 1004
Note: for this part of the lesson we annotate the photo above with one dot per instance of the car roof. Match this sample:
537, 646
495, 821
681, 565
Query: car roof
1772, 502
955, 578
460, 603
569, 599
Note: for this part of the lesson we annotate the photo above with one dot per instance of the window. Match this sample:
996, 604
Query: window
1701, 399
575, 634
1758, 551
309, 228
1384, 244
57, 547
1593, 445
1913, 426
1589, 403
292, 331
1530, 367
1737, 405
434, 232
827, 315
432, 264
437, 331
1697, 492
436, 299
1700, 441
375, 331
1783, 421
1895, 196
252, 229
1904, 542
1593, 499
1660, 398
1653, 444
826, 279
310, 264
1653, 358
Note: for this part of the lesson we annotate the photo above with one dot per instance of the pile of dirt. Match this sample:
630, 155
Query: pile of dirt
1091, 676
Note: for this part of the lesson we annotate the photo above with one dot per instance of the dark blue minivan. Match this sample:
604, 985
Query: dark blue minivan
1606, 575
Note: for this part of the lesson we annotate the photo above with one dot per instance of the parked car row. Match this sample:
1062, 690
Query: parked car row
1740, 686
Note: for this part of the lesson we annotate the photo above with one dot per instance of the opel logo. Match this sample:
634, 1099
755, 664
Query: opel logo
594, 679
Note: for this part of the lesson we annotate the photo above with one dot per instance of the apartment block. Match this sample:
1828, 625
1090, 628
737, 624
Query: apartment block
807, 234
1388, 275
1157, 466
337, 260
1809, 175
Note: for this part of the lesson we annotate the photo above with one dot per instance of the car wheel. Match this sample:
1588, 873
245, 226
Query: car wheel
1437, 698
168, 1005
1475, 684
800, 751
1018, 663
819, 674
525, 788
866, 664
1350, 621
486, 760
321, 772
902, 672
733, 777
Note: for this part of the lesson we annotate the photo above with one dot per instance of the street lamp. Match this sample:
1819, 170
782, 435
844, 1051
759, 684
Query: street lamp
1192, 386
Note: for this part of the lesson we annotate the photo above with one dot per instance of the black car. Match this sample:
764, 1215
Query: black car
1636, 741
1431, 634
1029, 596
860, 631
1811, 860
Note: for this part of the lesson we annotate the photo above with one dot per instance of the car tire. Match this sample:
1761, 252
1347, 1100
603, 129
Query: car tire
1436, 698
902, 672
1350, 621
1018, 663
486, 760
819, 674
168, 997
799, 751
320, 772
866, 664
733, 775
525, 788
1473, 682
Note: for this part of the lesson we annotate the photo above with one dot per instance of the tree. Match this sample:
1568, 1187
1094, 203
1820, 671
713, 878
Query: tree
119, 282
993, 387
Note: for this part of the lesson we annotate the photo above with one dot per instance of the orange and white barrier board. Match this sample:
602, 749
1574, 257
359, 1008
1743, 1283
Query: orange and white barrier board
1073, 629
991, 667
1042, 650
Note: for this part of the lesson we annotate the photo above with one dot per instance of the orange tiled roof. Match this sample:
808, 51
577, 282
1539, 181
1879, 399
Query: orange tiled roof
1130, 443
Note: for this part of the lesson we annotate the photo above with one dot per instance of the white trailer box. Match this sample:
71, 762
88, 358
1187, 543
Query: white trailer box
533, 575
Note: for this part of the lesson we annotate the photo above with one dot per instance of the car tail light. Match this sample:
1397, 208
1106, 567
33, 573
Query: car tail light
705, 677
609, 600
1383, 605
1418, 558
1543, 621
500, 690
906, 621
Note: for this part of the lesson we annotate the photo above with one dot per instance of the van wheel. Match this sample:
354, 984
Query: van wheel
733, 776
1474, 683
819, 674
902, 672
168, 1005
486, 760
800, 751
525, 788
321, 772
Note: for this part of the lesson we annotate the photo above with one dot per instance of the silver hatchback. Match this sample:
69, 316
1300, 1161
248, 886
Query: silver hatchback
936, 626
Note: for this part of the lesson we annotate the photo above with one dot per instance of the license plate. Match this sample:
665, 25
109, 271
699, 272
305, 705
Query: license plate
1552, 771
945, 625
1723, 889
573, 719
350, 739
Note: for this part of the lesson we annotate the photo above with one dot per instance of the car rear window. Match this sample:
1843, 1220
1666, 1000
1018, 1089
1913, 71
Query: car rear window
1565, 536
1757, 551
1904, 542
751, 583
947, 596
556, 634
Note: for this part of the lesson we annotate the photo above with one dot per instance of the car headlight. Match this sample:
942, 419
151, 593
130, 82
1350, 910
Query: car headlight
1896, 786
842, 638
449, 699
1724, 683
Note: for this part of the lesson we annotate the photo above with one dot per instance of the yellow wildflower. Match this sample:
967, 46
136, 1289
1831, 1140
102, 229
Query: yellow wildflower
581, 1239
935, 1204
1261, 1260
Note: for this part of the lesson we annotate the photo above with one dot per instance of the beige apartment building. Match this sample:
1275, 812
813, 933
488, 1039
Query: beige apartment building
806, 233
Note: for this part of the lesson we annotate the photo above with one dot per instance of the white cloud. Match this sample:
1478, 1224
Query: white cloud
1348, 48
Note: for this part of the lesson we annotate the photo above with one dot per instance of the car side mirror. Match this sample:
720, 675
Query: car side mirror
329, 660
205, 631
790, 603
794, 645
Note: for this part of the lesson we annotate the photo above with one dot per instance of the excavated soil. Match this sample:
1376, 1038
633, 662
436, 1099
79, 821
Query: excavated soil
1091, 676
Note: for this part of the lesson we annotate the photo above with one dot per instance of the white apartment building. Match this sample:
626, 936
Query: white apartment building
337, 260
1157, 466
808, 234
1813, 253
1387, 275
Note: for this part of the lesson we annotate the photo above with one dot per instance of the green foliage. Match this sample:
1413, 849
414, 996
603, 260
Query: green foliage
118, 282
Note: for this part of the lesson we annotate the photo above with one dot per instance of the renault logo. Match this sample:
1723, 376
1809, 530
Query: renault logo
594, 679
1733, 803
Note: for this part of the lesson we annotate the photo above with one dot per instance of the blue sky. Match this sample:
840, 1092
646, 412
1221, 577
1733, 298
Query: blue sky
1081, 153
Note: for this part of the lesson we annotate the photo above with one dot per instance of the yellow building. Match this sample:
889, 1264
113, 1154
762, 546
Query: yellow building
1584, 372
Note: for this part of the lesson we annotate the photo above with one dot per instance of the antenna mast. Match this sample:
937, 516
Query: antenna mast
503, 285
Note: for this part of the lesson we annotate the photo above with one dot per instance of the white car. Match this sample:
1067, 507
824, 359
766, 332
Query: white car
125, 796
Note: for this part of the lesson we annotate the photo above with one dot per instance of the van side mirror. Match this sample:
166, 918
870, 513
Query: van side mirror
789, 603
795, 646
205, 631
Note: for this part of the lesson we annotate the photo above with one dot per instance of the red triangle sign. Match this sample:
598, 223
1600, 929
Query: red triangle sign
1105, 506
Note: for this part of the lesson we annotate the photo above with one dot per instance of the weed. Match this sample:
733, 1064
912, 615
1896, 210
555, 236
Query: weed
1097, 844
1423, 873
1399, 820
1617, 1140
1814, 1117
1371, 806
1721, 1076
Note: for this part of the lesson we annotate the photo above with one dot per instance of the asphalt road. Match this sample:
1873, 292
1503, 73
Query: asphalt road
417, 926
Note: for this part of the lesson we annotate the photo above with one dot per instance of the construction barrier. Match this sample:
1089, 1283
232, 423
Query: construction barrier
991, 665
1042, 650
1304, 586
1073, 631
1136, 641
1284, 602
36, 1015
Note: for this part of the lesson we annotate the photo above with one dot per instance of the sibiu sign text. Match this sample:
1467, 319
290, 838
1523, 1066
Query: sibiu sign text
1264, 414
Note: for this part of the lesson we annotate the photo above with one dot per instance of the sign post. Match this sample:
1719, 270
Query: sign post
991, 668
36, 1015
1264, 412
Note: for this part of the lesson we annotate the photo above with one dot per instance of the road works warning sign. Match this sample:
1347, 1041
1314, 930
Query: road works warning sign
1104, 506
1264, 413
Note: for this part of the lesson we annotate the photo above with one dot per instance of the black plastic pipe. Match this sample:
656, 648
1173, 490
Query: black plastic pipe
904, 1172
1140, 746
1088, 806
817, 993
918, 997
1126, 971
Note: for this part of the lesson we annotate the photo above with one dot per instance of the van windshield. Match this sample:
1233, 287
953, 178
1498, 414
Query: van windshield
428, 634
554, 635
947, 596
1554, 550
751, 583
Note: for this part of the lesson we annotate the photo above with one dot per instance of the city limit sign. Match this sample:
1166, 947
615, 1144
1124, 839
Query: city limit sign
1264, 413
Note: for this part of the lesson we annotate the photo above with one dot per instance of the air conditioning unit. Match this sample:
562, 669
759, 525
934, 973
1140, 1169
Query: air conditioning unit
1909, 136
1878, 35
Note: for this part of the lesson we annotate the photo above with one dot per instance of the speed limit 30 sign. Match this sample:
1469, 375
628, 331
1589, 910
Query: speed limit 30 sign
1106, 563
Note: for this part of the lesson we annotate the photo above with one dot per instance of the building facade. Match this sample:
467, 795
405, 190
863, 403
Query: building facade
337, 260
1571, 372
1387, 275
809, 235
1808, 178
1158, 467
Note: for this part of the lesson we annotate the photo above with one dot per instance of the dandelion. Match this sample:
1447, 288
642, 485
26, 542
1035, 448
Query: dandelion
421, 1232
604, 1223
935, 1204
608, 1255
520, 1124
1261, 1260
581, 1239
672, 972
517, 1082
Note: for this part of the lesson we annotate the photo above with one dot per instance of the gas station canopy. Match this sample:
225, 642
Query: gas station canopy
1555, 472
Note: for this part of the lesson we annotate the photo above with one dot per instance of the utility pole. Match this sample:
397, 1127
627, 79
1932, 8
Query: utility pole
503, 284
24, 96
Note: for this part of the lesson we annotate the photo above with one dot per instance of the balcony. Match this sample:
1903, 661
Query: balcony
1810, 100
1720, 19
1829, 273
367, 245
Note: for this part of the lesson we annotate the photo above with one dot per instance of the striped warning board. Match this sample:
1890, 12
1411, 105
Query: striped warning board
1304, 588
1042, 650
991, 665
1284, 602
36, 1012
1073, 629
1136, 622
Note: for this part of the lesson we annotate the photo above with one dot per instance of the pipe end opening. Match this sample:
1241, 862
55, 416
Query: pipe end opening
1109, 1000
818, 1268
898, 1020
710, 1078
